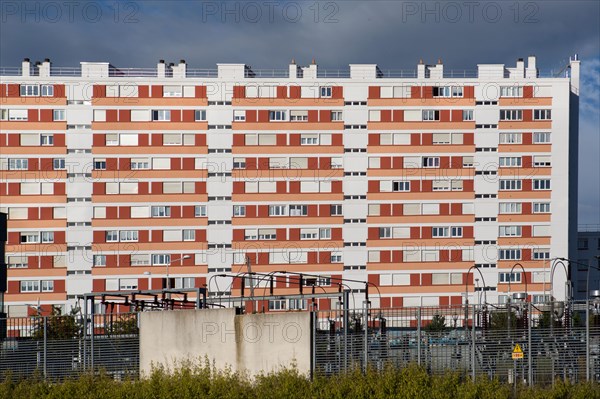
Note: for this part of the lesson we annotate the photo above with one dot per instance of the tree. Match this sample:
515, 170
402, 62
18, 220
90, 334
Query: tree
438, 324
58, 326
499, 320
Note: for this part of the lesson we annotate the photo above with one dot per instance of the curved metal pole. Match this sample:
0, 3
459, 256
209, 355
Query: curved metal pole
552, 275
467, 284
524, 276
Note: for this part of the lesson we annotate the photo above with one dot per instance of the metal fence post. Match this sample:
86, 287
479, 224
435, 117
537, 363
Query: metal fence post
45, 319
314, 343
419, 336
366, 336
345, 315
587, 340
529, 349
473, 349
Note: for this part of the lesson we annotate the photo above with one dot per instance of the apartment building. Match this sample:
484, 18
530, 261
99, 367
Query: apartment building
588, 257
429, 184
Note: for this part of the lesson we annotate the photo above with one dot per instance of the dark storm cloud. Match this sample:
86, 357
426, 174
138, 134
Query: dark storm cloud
268, 34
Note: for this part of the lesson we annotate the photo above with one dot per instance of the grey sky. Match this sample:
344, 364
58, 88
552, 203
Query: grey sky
268, 34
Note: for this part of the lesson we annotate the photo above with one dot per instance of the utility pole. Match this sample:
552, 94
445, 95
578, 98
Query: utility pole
249, 267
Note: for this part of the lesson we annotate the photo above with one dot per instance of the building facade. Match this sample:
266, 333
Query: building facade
121, 179
588, 255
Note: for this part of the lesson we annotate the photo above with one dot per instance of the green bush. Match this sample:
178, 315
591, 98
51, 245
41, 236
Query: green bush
204, 381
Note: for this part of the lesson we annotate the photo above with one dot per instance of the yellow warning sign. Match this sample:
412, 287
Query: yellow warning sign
517, 352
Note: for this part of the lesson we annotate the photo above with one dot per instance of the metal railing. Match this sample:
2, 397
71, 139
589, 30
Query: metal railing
322, 73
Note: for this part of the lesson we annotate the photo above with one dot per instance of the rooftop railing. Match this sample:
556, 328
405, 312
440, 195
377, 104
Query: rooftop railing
262, 73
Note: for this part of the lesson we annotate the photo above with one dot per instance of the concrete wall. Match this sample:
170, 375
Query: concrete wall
252, 343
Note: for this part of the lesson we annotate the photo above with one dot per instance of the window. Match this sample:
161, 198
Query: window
326, 92
325, 234
47, 90
161, 115
239, 115
309, 234
47, 285
277, 304
337, 116
509, 254
511, 91
399, 186
510, 231
277, 115
111, 236
161, 259
431, 162
510, 207
298, 116
510, 185
30, 238
200, 211
541, 207
385, 232
311, 139
277, 210
582, 244
541, 184
58, 164
161, 211
542, 114
431, 115
184, 282
441, 138
541, 138
168, 139
112, 139
511, 138
447, 91
239, 210
514, 277
30, 286
510, 162
239, 163
440, 232
18, 164
17, 115
59, 115
46, 139
541, 253
511, 114
200, 115
441, 185
456, 231
189, 235
298, 210
137, 163
99, 260
335, 210
172, 91
47, 236
30, 90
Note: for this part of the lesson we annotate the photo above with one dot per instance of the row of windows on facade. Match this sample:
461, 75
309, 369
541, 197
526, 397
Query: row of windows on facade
283, 256
265, 91
161, 163
325, 139
167, 235
277, 116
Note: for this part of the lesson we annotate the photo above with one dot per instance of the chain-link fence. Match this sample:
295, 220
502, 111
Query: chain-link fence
56, 347
555, 340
